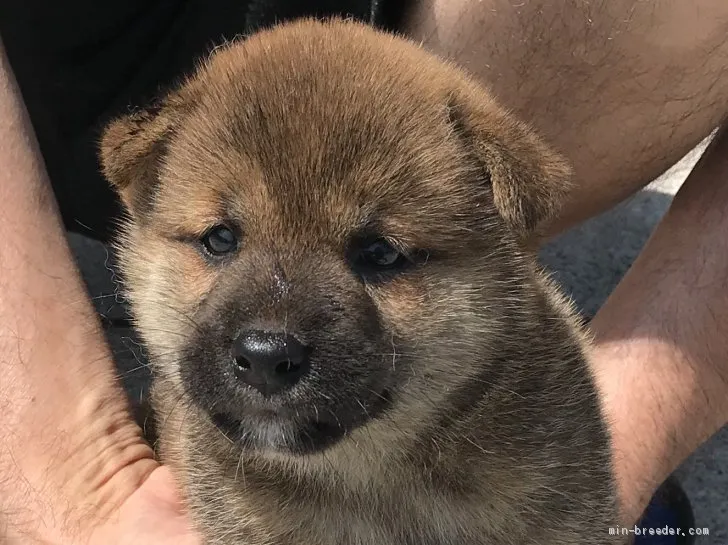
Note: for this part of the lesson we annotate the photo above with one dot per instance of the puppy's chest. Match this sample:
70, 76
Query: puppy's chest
388, 522
404, 517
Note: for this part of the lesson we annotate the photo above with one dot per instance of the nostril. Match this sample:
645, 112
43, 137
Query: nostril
242, 363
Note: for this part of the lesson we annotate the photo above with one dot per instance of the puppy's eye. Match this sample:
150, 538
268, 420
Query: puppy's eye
380, 254
376, 260
219, 241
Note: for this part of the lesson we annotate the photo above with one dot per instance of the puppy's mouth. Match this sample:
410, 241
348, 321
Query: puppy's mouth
296, 435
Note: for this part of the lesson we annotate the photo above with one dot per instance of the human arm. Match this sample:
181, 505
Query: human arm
74, 467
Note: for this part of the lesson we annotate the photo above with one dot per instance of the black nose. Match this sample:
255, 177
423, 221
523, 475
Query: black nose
269, 362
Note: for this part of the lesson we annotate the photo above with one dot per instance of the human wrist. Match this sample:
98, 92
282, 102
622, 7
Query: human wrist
63, 496
69, 461
72, 451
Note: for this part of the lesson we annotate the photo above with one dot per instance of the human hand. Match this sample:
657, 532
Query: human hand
152, 515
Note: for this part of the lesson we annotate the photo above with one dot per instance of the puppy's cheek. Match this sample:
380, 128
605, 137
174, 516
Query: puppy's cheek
196, 278
168, 285
402, 306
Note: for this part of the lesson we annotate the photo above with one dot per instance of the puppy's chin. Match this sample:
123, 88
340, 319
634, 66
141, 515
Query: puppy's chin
286, 430
280, 434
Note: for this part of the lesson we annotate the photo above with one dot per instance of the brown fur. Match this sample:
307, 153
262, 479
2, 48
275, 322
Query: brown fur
303, 134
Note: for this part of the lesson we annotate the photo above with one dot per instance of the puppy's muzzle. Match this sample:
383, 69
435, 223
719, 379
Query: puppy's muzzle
270, 362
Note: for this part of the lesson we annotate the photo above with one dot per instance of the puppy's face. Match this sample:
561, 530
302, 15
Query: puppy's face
324, 233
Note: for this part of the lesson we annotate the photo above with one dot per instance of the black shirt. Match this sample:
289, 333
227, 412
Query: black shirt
81, 62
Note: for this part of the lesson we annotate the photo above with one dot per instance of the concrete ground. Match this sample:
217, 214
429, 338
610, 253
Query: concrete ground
588, 261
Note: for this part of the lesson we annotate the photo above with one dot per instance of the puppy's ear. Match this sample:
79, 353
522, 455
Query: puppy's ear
530, 182
132, 148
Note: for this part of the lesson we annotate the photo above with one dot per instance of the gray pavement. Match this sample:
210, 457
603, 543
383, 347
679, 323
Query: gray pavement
588, 261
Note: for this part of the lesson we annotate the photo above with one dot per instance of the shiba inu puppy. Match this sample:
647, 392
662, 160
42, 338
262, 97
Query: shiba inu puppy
327, 257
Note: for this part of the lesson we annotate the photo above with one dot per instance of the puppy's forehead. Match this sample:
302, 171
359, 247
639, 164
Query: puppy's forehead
334, 123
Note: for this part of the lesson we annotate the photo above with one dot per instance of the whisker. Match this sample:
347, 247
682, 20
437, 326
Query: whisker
178, 312
132, 370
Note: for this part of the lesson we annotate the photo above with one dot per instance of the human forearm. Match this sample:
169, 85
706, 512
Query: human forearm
662, 337
68, 444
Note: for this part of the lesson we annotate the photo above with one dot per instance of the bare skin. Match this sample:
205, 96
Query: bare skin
661, 355
624, 90
73, 465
